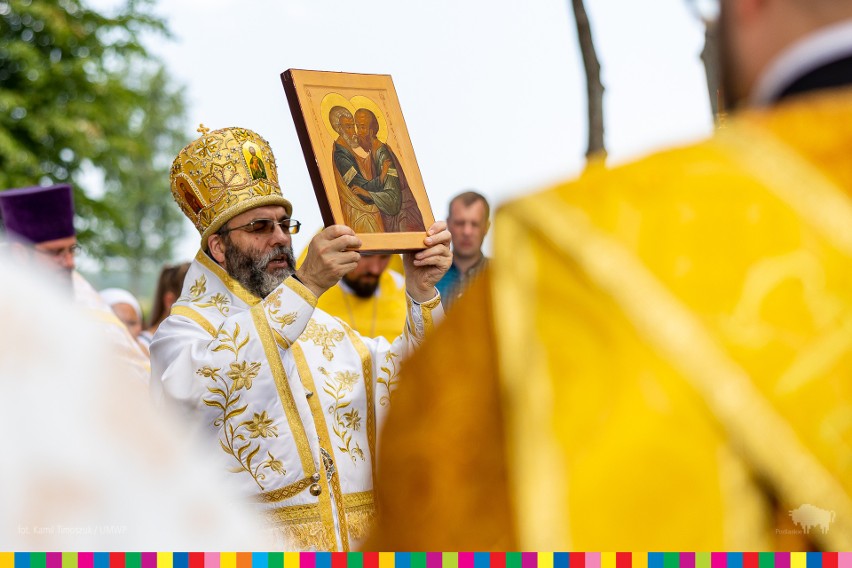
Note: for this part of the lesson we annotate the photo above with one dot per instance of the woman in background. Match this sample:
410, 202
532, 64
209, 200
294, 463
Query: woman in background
168, 290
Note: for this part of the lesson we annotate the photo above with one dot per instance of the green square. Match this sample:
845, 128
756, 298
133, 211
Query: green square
38, 559
132, 560
355, 560
513, 560
275, 560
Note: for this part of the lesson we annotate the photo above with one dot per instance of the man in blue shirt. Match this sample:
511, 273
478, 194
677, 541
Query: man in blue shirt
468, 224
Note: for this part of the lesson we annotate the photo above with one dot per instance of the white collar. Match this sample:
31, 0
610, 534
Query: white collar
811, 52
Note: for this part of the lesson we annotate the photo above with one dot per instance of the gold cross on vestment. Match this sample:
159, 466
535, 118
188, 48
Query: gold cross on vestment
322, 337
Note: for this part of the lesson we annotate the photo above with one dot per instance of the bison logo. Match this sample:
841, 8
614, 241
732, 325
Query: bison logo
808, 516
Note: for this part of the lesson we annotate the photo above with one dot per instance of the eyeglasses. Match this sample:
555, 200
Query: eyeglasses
266, 226
59, 253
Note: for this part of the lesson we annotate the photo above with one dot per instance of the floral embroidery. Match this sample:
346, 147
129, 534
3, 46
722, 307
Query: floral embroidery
274, 299
348, 379
231, 342
242, 373
275, 465
261, 425
225, 396
390, 377
336, 387
219, 301
352, 419
273, 304
322, 337
198, 288
196, 296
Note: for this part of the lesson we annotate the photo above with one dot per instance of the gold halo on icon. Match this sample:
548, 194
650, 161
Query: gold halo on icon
332, 100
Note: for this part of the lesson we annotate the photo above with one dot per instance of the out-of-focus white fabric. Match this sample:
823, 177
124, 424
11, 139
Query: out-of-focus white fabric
87, 464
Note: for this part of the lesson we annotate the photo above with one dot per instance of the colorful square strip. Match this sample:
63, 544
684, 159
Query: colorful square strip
425, 560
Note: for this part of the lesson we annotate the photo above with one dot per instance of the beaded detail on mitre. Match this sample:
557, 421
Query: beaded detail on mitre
222, 174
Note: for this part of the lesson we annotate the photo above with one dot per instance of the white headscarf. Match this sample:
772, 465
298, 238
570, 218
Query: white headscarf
113, 296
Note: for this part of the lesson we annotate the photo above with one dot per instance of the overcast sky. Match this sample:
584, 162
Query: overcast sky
492, 91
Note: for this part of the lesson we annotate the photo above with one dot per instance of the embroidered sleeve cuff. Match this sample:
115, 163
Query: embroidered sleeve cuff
428, 303
296, 286
422, 317
288, 309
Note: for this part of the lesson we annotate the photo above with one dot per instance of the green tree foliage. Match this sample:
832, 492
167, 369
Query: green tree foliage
82, 100
145, 222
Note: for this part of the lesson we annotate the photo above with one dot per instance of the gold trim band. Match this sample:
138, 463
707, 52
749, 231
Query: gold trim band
325, 441
301, 290
285, 394
188, 312
294, 514
284, 493
359, 499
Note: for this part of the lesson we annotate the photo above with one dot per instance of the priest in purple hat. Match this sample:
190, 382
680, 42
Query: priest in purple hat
39, 224
39, 221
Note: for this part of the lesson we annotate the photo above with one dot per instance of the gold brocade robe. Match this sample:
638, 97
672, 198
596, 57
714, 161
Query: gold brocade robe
659, 354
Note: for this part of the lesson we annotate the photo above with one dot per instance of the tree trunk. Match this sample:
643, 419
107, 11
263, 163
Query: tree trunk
594, 87
710, 58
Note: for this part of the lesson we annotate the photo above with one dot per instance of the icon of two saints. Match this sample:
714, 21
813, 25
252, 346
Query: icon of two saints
374, 194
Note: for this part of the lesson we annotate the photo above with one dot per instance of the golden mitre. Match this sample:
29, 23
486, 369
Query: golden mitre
222, 174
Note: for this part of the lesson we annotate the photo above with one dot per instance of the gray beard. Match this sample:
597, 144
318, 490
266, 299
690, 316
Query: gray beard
352, 141
251, 272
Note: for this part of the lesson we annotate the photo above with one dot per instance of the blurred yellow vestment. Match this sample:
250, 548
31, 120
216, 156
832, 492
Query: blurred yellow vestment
659, 354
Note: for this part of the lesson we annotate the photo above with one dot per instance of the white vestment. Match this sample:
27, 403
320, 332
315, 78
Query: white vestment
291, 397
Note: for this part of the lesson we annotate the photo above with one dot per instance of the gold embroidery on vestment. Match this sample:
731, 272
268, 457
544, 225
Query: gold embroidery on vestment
226, 397
360, 513
324, 439
302, 291
322, 337
389, 377
367, 370
302, 526
188, 312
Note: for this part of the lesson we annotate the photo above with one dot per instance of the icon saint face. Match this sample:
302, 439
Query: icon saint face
189, 196
347, 131
256, 165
